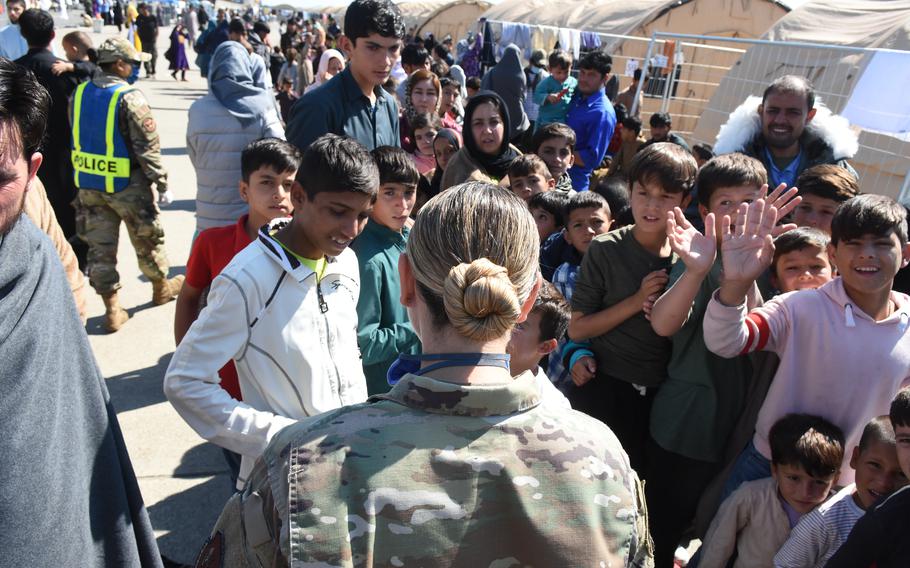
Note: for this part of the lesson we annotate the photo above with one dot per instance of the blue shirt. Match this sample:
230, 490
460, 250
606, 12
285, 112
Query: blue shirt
340, 107
788, 175
593, 120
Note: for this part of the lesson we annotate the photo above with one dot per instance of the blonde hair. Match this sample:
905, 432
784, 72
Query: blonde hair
473, 250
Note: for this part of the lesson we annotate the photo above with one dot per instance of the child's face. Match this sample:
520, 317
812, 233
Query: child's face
268, 193
816, 212
878, 473
651, 204
443, 150
804, 269
559, 74
487, 128
726, 201
393, 205
326, 223
424, 138
546, 222
800, 490
525, 347
868, 264
334, 67
424, 97
902, 435
449, 96
585, 224
557, 155
528, 186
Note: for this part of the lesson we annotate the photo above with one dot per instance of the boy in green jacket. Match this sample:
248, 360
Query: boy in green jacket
383, 330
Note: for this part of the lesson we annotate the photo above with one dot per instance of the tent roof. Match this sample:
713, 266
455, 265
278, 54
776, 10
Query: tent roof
872, 23
602, 16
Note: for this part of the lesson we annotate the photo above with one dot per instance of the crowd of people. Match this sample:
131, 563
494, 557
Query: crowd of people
434, 318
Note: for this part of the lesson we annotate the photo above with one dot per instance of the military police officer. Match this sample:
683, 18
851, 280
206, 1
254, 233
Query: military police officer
117, 157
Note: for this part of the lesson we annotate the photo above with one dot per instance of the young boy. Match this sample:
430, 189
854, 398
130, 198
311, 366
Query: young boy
856, 319
547, 209
801, 260
384, 330
472, 86
878, 474
528, 176
554, 93
285, 310
632, 140
757, 519
607, 303
80, 56
555, 144
823, 188
587, 215
539, 336
700, 401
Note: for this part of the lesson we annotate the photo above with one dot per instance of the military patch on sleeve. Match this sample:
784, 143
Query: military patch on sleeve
143, 110
212, 553
149, 125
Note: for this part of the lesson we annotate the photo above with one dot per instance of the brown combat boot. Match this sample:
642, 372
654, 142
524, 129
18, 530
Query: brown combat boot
163, 291
114, 315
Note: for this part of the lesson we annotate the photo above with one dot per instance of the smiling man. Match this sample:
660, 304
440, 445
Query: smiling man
353, 102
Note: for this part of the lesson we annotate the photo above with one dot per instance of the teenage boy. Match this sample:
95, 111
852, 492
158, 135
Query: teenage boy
700, 401
555, 144
661, 123
353, 102
554, 93
591, 116
587, 215
384, 330
285, 310
856, 318
528, 176
607, 303
823, 188
879, 538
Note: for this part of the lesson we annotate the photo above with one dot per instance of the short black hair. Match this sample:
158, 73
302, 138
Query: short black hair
337, 164
554, 311
703, 151
237, 26
273, 153
828, 181
414, 54
900, 409
597, 61
425, 120
260, 27
553, 202
665, 163
395, 166
439, 68
615, 189
792, 84
560, 58
660, 119
37, 27
527, 164
807, 441
448, 81
24, 106
799, 238
585, 200
441, 51
877, 430
869, 215
22, 2
621, 112
632, 123
729, 170
636, 75
366, 17
472, 83
553, 130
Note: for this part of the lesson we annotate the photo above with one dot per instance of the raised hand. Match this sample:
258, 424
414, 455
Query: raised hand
784, 200
696, 250
748, 249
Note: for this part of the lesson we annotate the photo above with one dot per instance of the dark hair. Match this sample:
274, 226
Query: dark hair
660, 119
472, 83
37, 27
24, 106
798, 239
828, 182
260, 27
877, 430
869, 215
439, 68
553, 202
636, 75
441, 51
598, 61
425, 120
554, 311
667, 164
271, 153
528, 164
337, 164
792, 84
615, 189
632, 123
729, 170
560, 58
414, 54
366, 17
553, 130
237, 27
395, 166
900, 408
448, 81
807, 441
621, 112
22, 2
585, 200
703, 151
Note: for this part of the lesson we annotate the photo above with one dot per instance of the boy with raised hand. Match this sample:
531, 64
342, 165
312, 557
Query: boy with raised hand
384, 329
353, 102
699, 403
284, 310
856, 319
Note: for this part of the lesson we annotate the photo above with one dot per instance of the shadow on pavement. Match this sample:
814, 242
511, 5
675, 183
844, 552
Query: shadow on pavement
182, 204
95, 325
138, 388
174, 151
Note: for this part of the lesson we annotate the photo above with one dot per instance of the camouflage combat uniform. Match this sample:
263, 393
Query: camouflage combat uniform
99, 214
439, 474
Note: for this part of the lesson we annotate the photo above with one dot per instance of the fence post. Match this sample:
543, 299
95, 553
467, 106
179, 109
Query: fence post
644, 74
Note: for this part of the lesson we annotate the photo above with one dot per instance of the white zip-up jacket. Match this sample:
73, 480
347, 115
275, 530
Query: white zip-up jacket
293, 341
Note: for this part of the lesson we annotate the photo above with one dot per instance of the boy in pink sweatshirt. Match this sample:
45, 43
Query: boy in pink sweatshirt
844, 348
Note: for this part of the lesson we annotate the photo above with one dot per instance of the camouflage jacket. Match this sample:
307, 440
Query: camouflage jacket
439, 474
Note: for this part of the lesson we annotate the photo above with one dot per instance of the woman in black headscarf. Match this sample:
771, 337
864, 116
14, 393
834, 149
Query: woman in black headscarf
487, 153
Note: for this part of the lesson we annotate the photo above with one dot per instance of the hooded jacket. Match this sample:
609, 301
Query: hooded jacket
827, 138
835, 361
293, 340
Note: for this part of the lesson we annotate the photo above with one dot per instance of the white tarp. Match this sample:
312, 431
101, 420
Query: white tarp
879, 100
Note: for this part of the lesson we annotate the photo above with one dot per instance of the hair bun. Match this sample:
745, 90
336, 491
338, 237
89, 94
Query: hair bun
481, 300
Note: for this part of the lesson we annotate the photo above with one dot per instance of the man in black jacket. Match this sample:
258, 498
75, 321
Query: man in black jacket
147, 28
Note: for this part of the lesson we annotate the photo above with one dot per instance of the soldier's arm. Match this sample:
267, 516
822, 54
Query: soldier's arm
143, 138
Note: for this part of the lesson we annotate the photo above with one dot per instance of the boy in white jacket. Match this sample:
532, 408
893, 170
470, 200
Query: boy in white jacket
844, 348
284, 310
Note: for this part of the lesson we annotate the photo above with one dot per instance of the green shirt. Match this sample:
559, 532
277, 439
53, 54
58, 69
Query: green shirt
699, 404
316, 265
612, 270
